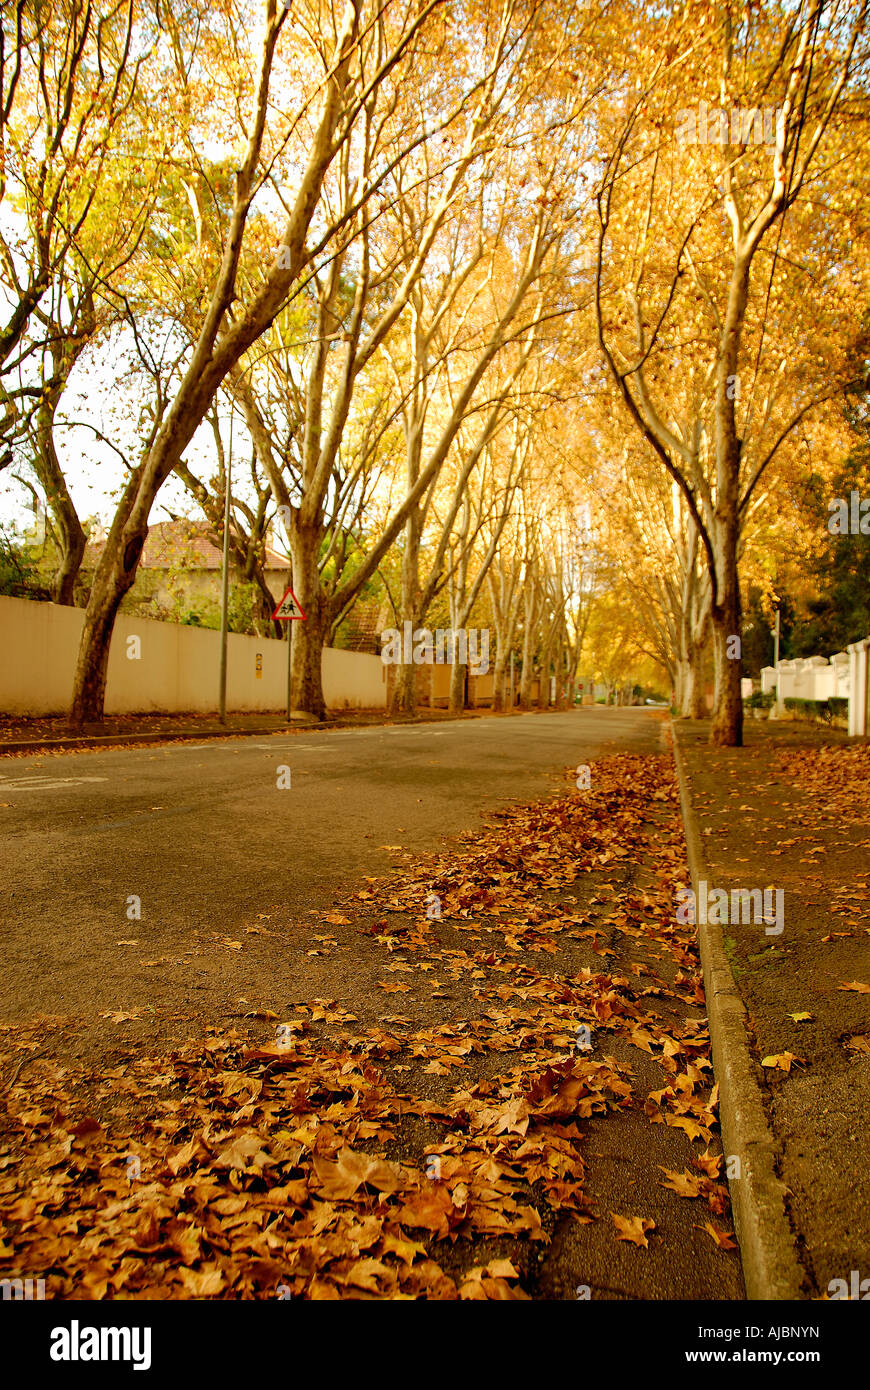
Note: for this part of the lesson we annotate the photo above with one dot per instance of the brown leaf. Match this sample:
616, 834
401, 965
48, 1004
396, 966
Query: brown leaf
245, 1151
341, 1178
685, 1184
432, 1210
633, 1228
203, 1283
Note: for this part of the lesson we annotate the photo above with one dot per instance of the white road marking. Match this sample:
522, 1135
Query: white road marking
35, 784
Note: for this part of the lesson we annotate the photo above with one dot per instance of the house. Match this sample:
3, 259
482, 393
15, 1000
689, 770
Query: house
180, 570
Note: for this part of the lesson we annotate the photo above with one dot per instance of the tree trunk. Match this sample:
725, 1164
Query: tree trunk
457, 687
310, 635
404, 695
697, 702
69, 528
308, 644
692, 704
685, 683
525, 701
529, 643
678, 682
403, 699
72, 554
498, 682
727, 729
112, 580
544, 700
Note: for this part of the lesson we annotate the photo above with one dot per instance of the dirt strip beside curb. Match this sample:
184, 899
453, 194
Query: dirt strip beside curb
771, 1268
157, 736
54, 745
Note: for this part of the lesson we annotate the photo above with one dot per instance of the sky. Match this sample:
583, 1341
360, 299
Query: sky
93, 470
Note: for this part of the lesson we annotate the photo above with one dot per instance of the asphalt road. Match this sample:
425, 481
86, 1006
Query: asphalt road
208, 843
238, 876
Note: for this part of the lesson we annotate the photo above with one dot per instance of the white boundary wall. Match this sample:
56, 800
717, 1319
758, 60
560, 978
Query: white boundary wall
846, 676
177, 670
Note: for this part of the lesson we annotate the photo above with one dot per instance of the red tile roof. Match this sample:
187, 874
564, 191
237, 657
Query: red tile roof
182, 544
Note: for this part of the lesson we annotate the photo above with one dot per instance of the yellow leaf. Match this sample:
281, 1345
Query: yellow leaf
722, 1238
692, 1128
782, 1061
405, 1249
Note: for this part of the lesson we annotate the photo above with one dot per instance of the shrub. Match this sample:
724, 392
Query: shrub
823, 710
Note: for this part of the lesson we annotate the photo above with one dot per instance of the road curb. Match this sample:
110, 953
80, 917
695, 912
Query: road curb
49, 745
771, 1268
120, 740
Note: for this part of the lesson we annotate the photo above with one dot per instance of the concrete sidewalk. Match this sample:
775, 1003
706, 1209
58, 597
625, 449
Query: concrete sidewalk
788, 1008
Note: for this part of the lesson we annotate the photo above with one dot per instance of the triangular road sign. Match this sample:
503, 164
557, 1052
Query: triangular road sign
289, 607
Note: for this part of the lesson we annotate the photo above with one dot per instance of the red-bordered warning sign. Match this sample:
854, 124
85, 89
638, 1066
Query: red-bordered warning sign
289, 608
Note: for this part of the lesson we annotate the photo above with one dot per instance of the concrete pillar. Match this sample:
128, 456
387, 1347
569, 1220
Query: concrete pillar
859, 670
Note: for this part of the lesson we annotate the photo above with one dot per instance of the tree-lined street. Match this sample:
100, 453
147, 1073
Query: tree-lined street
434, 758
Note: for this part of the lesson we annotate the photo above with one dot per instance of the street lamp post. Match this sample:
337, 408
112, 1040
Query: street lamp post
777, 708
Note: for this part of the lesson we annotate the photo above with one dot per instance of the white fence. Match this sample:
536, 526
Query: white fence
844, 677
170, 668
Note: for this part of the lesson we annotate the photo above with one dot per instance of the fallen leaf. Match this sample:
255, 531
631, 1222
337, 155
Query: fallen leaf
203, 1283
685, 1184
633, 1228
783, 1061
340, 1179
722, 1238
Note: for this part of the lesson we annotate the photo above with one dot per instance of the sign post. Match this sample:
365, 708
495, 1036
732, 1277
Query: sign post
289, 610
